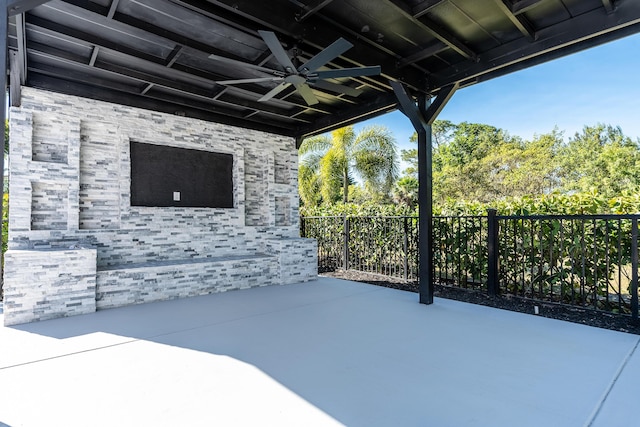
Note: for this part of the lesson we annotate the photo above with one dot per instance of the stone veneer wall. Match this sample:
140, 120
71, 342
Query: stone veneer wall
70, 187
48, 284
290, 252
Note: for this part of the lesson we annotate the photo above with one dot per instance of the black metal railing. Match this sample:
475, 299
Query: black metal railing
460, 251
582, 260
589, 261
388, 245
329, 232
381, 245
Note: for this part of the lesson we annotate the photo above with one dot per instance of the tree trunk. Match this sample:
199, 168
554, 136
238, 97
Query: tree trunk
345, 186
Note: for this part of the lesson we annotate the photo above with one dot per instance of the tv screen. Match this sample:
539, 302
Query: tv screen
165, 176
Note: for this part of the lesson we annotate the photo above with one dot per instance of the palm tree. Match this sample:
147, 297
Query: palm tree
405, 191
331, 163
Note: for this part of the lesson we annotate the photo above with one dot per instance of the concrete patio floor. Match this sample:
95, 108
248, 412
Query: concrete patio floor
324, 353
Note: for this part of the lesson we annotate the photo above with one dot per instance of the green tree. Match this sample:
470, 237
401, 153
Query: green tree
442, 132
600, 157
460, 167
410, 156
405, 191
309, 184
358, 195
516, 168
470, 141
483, 163
332, 163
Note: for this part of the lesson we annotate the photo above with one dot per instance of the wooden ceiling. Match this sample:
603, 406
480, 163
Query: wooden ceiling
156, 54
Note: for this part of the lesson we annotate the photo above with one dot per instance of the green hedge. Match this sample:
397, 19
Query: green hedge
575, 261
561, 204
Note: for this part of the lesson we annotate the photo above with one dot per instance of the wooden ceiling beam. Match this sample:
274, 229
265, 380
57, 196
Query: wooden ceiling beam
365, 52
519, 21
435, 30
424, 7
311, 9
609, 5
16, 7
521, 6
584, 31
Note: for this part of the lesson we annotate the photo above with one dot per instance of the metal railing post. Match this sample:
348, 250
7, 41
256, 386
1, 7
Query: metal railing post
492, 256
405, 247
634, 268
345, 248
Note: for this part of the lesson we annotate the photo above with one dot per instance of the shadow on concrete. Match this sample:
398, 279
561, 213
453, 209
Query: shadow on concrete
358, 354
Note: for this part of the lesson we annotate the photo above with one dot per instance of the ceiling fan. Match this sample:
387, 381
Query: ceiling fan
302, 75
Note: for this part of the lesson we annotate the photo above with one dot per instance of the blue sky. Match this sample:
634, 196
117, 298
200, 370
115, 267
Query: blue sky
597, 85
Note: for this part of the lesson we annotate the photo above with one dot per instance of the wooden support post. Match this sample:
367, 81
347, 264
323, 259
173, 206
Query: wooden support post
425, 203
422, 116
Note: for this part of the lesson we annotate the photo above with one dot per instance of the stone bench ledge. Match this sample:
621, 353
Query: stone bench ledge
186, 261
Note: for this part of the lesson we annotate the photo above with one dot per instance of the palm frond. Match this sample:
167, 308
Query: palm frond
376, 157
333, 161
316, 144
344, 139
312, 161
331, 173
309, 186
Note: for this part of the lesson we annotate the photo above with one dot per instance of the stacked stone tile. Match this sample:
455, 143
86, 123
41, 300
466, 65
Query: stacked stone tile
293, 258
152, 281
43, 284
70, 187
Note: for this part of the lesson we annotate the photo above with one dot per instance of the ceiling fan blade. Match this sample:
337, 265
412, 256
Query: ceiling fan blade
256, 80
331, 52
347, 72
276, 48
347, 90
242, 64
273, 92
305, 91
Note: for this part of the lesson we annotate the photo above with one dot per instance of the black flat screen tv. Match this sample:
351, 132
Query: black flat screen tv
163, 176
